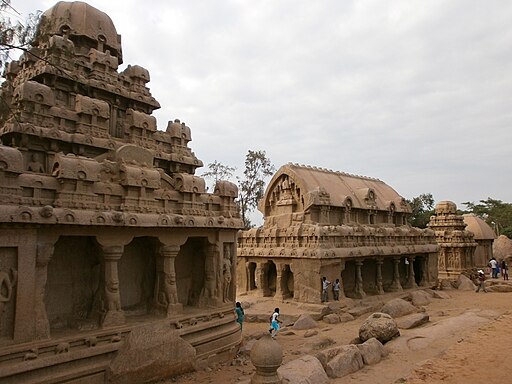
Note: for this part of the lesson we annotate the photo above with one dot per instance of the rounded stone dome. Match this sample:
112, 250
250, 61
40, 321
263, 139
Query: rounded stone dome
479, 227
266, 353
446, 207
80, 20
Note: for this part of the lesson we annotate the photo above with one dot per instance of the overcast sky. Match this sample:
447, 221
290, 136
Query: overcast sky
415, 93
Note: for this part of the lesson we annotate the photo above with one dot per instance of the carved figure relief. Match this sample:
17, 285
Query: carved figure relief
7, 283
171, 296
226, 272
209, 289
34, 165
113, 300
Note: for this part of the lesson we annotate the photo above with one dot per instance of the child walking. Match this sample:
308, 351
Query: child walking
274, 323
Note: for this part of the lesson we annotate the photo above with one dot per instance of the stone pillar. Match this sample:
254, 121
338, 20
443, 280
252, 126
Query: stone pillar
261, 285
210, 293
44, 255
167, 274
424, 271
248, 277
395, 285
113, 314
379, 287
359, 292
279, 282
411, 279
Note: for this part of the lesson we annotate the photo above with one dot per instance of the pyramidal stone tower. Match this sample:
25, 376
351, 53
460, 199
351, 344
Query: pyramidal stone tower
115, 264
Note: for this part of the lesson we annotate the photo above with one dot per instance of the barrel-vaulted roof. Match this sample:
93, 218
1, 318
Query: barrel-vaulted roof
321, 186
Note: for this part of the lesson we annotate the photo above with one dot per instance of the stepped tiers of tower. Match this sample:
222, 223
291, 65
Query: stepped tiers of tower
110, 246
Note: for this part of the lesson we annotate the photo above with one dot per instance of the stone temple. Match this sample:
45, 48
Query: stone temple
115, 264
333, 224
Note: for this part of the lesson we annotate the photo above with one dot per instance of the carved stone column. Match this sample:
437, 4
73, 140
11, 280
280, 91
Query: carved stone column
424, 271
167, 274
359, 292
279, 282
379, 287
248, 277
260, 279
44, 255
113, 314
395, 285
210, 293
411, 279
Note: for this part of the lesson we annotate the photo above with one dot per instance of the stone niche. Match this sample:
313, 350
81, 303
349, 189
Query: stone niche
115, 264
324, 223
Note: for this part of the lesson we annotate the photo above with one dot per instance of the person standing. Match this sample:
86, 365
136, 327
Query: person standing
494, 265
325, 287
481, 281
274, 323
336, 289
239, 314
504, 269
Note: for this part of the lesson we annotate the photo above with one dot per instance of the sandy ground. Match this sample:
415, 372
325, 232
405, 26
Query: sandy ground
466, 341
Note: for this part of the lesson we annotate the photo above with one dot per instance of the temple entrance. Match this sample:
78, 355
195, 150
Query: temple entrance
73, 281
190, 270
271, 277
137, 272
251, 278
287, 282
348, 277
418, 266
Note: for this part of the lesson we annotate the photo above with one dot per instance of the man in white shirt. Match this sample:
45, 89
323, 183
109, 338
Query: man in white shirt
325, 286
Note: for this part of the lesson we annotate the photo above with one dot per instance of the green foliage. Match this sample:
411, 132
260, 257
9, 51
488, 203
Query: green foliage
251, 187
422, 208
496, 213
218, 171
15, 35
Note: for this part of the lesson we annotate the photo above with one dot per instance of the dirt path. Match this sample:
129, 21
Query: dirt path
464, 338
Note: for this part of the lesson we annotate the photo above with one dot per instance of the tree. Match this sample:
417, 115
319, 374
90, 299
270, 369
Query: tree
251, 187
218, 171
495, 212
15, 35
422, 208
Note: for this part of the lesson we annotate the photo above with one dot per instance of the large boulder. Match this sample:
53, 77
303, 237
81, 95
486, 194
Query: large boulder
500, 288
379, 325
441, 295
372, 351
305, 321
420, 298
347, 361
304, 370
397, 308
464, 283
346, 317
332, 318
412, 321
502, 248
151, 352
